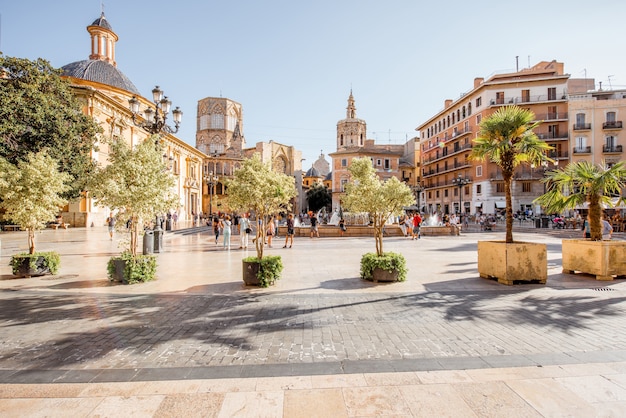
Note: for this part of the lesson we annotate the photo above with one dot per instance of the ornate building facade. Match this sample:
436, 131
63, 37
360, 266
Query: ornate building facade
220, 135
105, 93
352, 143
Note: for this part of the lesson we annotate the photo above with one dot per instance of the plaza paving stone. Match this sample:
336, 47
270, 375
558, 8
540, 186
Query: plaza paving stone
198, 336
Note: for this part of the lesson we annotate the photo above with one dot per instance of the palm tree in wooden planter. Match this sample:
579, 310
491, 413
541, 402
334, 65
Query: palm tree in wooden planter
256, 187
582, 183
507, 139
365, 192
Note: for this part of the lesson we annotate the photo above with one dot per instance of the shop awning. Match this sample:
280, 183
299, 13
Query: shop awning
500, 205
478, 204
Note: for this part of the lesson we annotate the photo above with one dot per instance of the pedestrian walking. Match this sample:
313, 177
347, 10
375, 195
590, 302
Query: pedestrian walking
110, 222
244, 224
417, 221
290, 231
314, 230
227, 230
217, 225
342, 226
271, 231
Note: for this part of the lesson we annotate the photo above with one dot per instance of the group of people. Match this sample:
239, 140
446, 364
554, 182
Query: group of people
223, 225
411, 225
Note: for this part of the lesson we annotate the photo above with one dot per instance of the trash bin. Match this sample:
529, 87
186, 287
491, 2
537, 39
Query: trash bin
545, 222
537, 222
158, 239
148, 242
168, 225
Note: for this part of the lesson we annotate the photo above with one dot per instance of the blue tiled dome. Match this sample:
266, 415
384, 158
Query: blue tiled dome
100, 72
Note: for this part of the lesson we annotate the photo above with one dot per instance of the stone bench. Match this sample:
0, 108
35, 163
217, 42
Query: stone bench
434, 231
10, 227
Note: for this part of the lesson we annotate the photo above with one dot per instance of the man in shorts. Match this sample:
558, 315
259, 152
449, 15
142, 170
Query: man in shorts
314, 227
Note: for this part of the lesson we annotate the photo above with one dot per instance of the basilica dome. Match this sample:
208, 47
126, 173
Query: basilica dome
101, 66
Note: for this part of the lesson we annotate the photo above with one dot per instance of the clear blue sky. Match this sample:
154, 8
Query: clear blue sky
291, 63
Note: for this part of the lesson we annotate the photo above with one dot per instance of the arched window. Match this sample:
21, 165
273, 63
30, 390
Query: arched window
463, 112
469, 109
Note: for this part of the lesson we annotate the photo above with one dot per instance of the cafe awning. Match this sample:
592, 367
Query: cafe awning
500, 205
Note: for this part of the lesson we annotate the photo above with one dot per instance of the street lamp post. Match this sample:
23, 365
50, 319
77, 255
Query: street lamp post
418, 191
154, 123
211, 180
460, 181
154, 120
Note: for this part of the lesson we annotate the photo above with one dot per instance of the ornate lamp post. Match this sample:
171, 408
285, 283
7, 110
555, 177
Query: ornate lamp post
211, 180
418, 192
154, 119
460, 181
154, 122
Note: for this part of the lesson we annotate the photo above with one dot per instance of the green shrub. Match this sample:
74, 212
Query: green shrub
141, 268
388, 261
269, 272
51, 261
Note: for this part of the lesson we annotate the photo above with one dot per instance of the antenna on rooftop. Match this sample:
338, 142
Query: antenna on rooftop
609, 77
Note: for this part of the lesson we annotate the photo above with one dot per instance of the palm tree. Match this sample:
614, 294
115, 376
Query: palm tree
507, 139
583, 182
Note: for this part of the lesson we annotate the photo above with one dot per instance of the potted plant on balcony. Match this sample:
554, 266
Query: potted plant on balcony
507, 139
137, 186
366, 192
256, 187
581, 183
31, 196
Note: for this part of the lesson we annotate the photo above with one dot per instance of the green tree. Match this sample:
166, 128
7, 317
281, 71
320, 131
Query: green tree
31, 192
507, 139
39, 111
365, 192
136, 183
318, 197
256, 187
582, 182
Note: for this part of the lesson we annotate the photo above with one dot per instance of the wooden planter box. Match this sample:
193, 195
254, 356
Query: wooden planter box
604, 259
513, 263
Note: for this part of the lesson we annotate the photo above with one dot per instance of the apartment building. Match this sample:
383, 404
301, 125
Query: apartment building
452, 182
597, 130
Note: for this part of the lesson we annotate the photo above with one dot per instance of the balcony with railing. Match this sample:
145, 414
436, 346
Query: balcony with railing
582, 126
558, 155
551, 136
527, 99
615, 124
582, 150
435, 171
550, 116
611, 149
448, 153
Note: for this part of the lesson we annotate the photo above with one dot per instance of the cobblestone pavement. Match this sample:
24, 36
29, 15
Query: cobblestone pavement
320, 318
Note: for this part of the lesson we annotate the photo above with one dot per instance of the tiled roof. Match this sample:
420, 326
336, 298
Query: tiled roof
102, 22
100, 72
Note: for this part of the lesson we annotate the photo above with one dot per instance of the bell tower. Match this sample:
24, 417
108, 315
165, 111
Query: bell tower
351, 132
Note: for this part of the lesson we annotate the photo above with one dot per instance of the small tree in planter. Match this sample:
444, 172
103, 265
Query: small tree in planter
256, 187
579, 183
31, 197
382, 199
506, 138
137, 184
